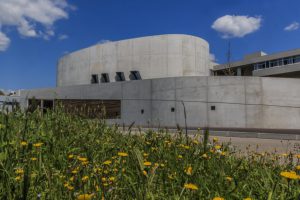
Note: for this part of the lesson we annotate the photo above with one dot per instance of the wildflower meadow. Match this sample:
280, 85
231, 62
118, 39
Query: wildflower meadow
59, 156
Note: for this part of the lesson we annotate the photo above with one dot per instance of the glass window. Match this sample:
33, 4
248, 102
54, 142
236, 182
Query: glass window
135, 75
104, 78
94, 79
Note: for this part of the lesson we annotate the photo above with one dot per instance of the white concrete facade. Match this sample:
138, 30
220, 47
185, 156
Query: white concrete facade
240, 102
159, 56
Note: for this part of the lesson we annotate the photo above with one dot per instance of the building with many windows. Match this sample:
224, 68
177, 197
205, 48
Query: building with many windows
283, 64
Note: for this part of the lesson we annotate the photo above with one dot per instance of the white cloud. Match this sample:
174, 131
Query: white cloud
292, 27
103, 41
236, 26
212, 57
63, 37
4, 42
32, 18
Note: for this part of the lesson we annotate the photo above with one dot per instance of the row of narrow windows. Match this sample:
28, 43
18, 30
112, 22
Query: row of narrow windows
104, 77
277, 62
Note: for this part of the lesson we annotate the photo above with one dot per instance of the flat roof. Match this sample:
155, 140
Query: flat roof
258, 59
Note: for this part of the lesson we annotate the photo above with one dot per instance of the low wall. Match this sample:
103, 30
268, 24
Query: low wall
216, 102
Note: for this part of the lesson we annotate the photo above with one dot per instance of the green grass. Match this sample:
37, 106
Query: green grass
57, 169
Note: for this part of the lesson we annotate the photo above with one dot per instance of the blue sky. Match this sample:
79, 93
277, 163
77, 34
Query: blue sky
39, 37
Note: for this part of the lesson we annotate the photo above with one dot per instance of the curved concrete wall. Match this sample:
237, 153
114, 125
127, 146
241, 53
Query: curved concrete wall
154, 57
240, 102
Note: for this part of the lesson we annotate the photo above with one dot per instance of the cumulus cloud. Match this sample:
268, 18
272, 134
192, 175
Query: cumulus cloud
31, 18
63, 37
212, 57
292, 27
4, 42
236, 26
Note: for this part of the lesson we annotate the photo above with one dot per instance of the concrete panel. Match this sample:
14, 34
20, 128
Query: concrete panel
226, 115
174, 65
158, 66
254, 116
163, 89
175, 45
162, 115
281, 92
159, 45
132, 112
189, 65
136, 89
195, 112
226, 89
253, 89
101, 91
275, 117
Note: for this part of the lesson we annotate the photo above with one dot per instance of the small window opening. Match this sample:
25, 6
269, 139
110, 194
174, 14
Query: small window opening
120, 76
213, 108
94, 79
142, 111
135, 75
104, 78
172, 109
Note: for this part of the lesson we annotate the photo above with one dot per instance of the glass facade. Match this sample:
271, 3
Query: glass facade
277, 62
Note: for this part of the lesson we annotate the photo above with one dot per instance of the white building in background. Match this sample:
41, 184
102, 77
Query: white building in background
146, 81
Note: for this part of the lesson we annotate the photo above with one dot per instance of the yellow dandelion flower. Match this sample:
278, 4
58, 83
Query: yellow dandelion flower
74, 171
105, 171
19, 171
248, 198
33, 159
179, 157
162, 165
18, 178
186, 147
215, 139
290, 175
146, 154
24, 143
195, 142
284, 154
190, 186
70, 187
204, 156
37, 145
107, 162
105, 184
85, 196
298, 167
70, 156
72, 178
144, 172
147, 163
103, 179
112, 179
189, 170
228, 178
298, 156
85, 178
82, 159
122, 154
85, 163
156, 164
218, 198
217, 147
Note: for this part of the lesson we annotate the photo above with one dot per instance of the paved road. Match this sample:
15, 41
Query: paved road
263, 145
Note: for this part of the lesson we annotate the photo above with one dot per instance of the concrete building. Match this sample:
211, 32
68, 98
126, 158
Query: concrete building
284, 64
148, 81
